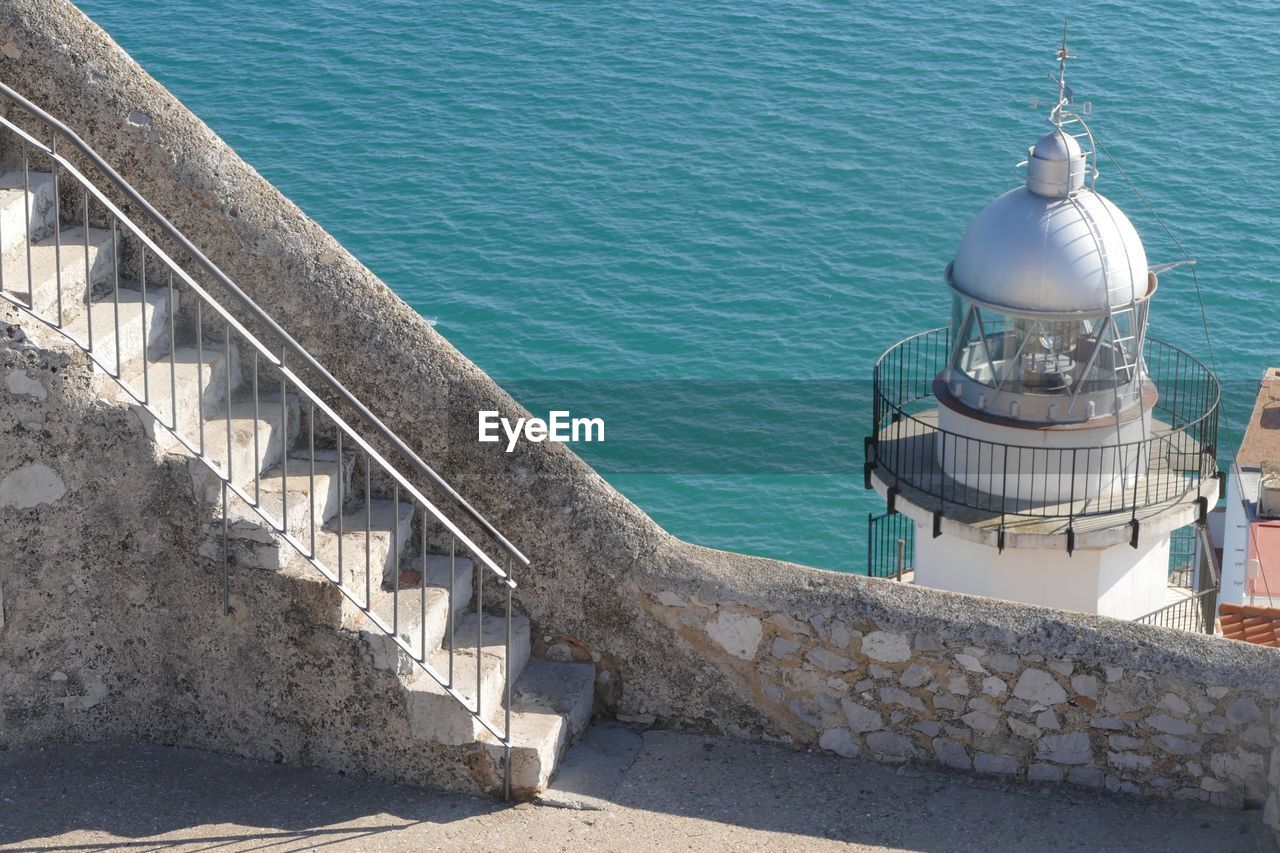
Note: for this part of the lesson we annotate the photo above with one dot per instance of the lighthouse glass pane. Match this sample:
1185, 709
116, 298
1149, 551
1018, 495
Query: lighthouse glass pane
1023, 355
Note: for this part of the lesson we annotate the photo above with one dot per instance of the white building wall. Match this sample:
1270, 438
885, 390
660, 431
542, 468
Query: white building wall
1117, 581
1235, 540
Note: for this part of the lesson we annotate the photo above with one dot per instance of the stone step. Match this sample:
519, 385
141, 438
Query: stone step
235, 451
437, 716
390, 525
550, 708
140, 328
183, 377
47, 258
19, 221
257, 542
420, 612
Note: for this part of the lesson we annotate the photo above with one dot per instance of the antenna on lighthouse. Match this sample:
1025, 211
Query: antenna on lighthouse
1065, 95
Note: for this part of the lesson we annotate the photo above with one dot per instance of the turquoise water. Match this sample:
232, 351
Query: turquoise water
761, 197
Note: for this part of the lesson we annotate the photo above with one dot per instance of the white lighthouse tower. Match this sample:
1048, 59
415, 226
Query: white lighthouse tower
1044, 447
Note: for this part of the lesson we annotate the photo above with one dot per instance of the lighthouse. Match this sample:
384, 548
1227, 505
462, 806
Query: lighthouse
1043, 445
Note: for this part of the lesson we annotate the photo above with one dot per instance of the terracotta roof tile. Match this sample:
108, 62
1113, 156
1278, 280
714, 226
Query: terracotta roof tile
1259, 625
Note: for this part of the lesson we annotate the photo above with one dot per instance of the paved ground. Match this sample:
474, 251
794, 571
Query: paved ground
630, 792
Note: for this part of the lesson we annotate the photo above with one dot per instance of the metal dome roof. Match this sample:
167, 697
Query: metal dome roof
1038, 254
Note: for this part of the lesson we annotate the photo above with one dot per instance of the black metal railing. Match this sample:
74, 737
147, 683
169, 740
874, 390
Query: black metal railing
907, 449
1197, 612
886, 558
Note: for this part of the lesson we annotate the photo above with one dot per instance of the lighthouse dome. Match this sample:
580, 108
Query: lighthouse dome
1049, 248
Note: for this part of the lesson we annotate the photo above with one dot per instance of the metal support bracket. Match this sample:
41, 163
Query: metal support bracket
867, 468
937, 524
1000, 541
1071, 540
1133, 537
1222, 485
892, 499
1203, 515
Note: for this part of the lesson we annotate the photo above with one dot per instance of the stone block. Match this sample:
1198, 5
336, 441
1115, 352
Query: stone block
1067, 748
1214, 725
1125, 742
1023, 729
1127, 696
739, 634
981, 722
1045, 773
787, 623
896, 696
839, 741
950, 703
1112, 723
1001, 764
1047, 719
916, 675
1129, 760
887, 647
1004, 662
1242, 711
1174, 704
952, 754
971, 663
1036, 685
784, 648
802, 711
860, 717
1085, 685
1169, 725
1062, 667
1175, 745
827, 660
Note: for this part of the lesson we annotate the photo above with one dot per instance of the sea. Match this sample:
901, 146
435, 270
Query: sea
704, 222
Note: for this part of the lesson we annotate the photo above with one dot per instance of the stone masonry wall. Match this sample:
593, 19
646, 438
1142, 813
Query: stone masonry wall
876, 669
862, 684
683, 635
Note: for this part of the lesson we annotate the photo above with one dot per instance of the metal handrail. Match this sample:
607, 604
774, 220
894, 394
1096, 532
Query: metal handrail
1187, 614
1196, 612
289, 382
261, 316
900, 387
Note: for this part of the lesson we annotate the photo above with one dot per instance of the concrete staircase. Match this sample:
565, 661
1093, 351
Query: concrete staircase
209, 393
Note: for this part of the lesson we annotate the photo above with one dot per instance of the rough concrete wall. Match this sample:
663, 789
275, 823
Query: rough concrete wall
111, 628
601, 569
83, 530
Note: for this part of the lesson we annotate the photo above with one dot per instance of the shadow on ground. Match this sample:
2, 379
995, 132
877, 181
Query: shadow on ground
621, 790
